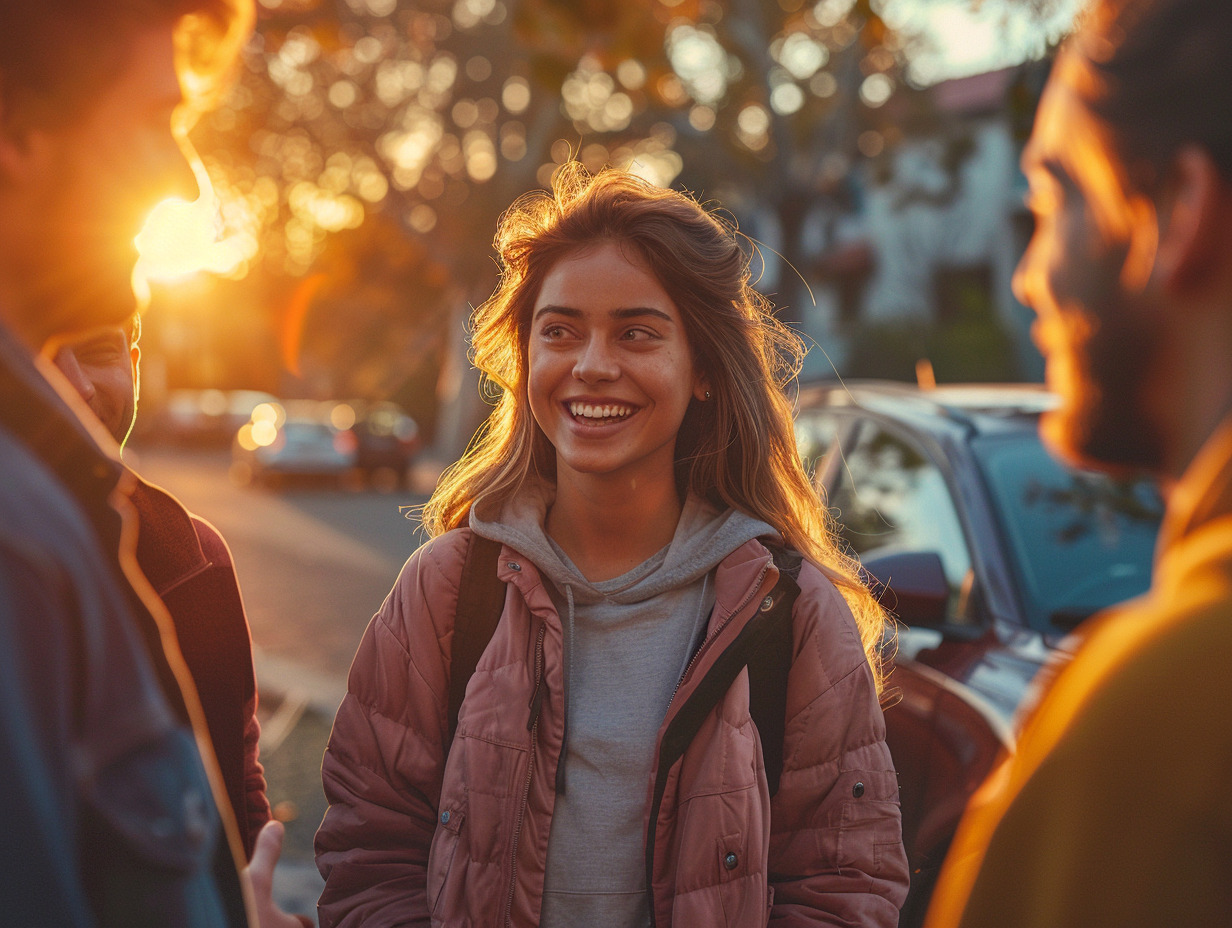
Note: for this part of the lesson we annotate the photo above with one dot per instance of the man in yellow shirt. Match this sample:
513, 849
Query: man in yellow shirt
1116, 808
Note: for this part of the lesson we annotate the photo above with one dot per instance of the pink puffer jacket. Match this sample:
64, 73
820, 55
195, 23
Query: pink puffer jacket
408, 840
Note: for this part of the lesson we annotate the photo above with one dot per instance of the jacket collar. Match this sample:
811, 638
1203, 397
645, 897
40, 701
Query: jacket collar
1203, 493
168, 547
739, 577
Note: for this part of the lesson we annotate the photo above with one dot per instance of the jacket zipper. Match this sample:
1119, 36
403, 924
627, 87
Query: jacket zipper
536, 702
749, 597
718, 631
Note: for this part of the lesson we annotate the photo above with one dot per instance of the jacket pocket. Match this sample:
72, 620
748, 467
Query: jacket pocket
732, 857
442, 853
741, 891
150, 835
870, 836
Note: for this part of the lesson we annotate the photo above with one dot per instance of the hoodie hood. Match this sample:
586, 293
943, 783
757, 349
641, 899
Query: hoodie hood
704, 536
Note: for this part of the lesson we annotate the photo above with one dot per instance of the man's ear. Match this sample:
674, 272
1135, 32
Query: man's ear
1194, 214
14, 146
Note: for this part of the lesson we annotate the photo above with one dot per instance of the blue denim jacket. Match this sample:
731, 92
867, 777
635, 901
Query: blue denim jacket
106, 812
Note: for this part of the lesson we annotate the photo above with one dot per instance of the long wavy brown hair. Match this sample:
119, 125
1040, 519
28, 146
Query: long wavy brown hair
737, 450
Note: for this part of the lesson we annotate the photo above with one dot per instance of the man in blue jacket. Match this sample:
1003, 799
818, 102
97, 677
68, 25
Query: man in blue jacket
108, 805
189, 565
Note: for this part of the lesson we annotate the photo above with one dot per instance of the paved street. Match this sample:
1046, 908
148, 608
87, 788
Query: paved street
313, 565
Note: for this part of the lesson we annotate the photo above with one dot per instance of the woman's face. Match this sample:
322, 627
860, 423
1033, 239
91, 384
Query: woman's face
610, 371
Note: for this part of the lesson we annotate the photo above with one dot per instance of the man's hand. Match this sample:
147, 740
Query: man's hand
260, 873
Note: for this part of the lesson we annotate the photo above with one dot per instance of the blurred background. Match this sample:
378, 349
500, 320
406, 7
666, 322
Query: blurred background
304, 370
355, 172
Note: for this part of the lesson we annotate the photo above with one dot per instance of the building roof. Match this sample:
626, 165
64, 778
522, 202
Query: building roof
977, 93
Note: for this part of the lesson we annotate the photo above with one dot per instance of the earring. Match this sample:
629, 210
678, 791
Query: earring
707, 396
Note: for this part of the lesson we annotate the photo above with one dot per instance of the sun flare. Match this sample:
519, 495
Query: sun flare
181, 239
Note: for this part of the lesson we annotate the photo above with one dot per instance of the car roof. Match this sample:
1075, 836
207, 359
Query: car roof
973, 408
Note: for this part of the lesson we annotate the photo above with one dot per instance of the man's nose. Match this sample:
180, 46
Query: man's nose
1021, 283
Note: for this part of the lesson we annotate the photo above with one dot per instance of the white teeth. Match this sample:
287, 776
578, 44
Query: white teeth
590, 411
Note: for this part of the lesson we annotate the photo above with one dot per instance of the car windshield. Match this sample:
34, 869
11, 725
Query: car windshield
1082, 541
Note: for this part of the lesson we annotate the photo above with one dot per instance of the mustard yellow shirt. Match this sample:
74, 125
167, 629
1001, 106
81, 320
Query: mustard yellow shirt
1116, 808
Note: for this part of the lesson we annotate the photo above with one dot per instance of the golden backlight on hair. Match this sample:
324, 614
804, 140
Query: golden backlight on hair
1120, 213
180, 239
207, 51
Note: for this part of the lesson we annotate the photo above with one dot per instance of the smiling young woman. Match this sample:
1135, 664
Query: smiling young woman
637, 471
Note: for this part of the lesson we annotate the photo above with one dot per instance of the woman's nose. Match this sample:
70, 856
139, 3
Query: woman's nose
596, 362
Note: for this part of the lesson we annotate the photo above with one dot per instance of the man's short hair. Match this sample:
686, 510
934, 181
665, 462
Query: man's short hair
1162, 74
57, 56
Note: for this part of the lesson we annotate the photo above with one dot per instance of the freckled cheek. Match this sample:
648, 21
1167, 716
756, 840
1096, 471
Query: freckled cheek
540, 382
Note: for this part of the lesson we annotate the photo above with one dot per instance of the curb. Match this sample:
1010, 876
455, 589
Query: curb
292, 683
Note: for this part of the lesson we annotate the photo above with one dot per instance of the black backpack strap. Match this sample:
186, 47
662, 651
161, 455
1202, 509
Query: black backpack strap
481, 599
769, 665
766, 641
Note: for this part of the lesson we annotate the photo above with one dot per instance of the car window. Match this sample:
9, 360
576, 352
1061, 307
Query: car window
815, 434
890, 495
1081, 541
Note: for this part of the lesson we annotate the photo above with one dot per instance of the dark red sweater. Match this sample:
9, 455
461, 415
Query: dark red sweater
189, 565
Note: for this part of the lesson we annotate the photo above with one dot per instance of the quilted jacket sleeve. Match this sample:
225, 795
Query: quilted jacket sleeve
383, 766
836, 848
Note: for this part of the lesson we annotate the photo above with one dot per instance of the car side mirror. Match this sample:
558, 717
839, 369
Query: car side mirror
913, 586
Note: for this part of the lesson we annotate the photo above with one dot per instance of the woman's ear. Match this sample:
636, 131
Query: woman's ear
701, 389
1194, 215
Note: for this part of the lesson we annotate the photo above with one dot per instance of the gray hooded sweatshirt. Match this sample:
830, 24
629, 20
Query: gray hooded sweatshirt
627, 643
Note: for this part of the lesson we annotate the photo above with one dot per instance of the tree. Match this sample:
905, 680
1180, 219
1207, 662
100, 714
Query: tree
434, 116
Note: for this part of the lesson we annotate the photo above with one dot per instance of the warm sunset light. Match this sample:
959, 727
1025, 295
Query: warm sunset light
180, 239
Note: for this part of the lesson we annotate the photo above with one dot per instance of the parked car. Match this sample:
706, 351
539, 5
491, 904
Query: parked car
386, 441
192, 418
988, 551
292, 442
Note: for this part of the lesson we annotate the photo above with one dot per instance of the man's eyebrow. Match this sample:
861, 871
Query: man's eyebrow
102, 338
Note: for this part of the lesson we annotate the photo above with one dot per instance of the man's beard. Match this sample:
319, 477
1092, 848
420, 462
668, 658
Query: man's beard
1106, 425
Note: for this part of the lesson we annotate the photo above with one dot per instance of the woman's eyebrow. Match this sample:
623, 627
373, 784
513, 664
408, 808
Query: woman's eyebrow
632, 312
552, 308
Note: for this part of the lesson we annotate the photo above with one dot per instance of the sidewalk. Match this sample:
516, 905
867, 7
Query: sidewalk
297, 710
297, 707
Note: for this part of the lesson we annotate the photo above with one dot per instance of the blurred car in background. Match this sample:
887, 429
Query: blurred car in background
196, 418
353, 443
386, 441
987, 550
301, 442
